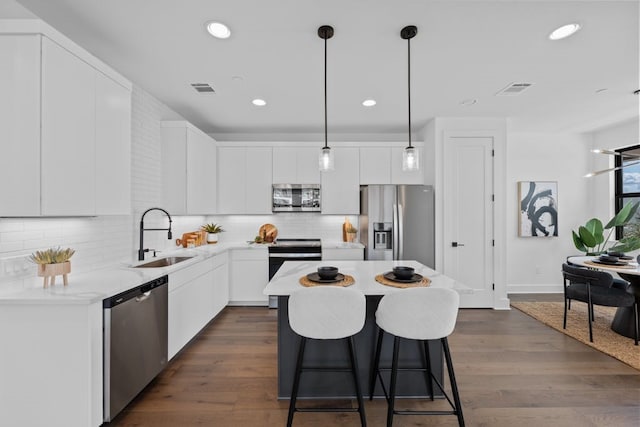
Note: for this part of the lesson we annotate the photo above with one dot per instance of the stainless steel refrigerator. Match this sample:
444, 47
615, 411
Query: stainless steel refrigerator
397, 222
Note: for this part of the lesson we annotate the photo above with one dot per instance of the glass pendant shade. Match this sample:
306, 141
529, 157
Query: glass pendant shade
410, 159
326, 159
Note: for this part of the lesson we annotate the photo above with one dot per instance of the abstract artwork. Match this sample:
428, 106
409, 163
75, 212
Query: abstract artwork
538, 208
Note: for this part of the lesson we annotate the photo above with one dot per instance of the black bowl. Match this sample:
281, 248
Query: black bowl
609, 258
615, 254
327, 273
403, 273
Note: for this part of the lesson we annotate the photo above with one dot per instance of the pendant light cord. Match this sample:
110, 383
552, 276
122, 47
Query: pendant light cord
409, 84
325, 94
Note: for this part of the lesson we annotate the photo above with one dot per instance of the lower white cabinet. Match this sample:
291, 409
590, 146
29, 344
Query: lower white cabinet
196, 295
342, 254
220, 282
249, 277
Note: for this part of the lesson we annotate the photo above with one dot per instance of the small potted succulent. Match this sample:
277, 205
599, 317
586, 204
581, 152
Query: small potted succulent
212, 230
53, 262
351, 233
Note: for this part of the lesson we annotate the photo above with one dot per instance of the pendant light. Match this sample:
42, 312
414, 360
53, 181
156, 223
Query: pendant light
410, 157
326, 155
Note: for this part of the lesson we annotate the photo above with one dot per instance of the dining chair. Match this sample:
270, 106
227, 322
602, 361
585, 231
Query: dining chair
594, 288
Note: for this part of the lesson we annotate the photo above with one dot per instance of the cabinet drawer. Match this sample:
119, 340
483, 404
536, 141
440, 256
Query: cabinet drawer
220, 260
180, 277
249, 254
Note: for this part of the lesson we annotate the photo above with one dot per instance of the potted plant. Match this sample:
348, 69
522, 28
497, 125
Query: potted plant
351, 233
212, 230
590, 237
53, 262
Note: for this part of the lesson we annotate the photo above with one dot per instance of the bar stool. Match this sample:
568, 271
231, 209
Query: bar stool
326, 313
417, 314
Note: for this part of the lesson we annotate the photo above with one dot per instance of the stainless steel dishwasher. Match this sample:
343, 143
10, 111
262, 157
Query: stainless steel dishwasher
135, 342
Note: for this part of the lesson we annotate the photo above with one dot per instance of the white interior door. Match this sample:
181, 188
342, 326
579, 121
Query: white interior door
468, 219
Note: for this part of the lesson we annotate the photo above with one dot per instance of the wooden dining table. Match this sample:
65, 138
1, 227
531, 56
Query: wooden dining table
624, 317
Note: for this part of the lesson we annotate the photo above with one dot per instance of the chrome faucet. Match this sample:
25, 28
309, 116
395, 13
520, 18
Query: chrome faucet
141, 251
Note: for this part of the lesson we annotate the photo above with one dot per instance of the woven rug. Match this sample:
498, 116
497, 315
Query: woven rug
605, 340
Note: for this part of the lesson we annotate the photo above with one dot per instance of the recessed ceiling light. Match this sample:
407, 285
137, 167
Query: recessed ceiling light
369, 102
564, 31
259, 102
218, 30
468, 102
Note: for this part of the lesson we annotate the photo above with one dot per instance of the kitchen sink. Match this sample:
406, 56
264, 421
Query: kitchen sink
163, 262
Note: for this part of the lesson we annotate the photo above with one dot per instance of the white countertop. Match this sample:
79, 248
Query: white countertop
287, 278
94, 286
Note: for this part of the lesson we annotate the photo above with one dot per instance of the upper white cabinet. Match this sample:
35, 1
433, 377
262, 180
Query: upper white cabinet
383, 165
375, 165
341, 186
296, 165
66, 129
189, 169
113, 147
20, 125
244, 180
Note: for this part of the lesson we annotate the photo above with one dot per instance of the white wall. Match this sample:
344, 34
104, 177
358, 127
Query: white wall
533, 263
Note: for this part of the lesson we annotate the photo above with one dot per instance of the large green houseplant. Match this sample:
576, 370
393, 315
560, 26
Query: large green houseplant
590, 237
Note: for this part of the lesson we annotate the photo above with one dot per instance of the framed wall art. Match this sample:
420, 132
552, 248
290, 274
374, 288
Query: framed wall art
538, 209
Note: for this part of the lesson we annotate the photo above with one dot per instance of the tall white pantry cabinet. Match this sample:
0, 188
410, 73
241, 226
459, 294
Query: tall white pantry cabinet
65, 128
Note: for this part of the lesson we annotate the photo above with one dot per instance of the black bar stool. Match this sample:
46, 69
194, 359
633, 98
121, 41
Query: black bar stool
417, 314
326, 313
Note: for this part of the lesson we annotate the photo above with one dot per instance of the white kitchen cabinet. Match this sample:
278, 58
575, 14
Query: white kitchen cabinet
342, 254
398, 176
20, 125
296, 165
220, 282
249, 276
113, 147
191, 303
383, 165
341, 186
244, 180
189, 169
66, 132
375, 165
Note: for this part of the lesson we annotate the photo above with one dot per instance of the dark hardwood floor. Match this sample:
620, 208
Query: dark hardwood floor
511, 370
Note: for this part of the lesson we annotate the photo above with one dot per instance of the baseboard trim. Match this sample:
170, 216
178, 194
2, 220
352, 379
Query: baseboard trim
535, 289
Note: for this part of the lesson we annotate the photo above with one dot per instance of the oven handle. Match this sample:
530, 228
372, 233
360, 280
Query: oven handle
294, 256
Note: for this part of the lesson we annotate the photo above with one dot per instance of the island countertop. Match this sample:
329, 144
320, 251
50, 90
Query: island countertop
286, 280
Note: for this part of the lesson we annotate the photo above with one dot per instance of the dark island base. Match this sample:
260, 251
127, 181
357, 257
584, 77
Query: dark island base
335, 353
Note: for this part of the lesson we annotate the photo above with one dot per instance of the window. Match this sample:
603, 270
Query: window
627, 188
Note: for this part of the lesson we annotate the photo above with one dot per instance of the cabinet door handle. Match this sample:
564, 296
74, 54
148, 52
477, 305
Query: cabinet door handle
456, 244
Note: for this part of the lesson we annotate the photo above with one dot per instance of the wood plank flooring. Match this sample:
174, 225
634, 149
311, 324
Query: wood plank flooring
511, 371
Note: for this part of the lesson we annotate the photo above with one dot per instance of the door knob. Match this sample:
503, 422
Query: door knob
456, 244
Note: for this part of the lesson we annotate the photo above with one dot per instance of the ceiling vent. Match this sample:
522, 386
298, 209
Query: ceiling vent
203, 87
514, 89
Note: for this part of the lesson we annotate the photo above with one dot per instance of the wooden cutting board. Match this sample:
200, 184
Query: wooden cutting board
268, 232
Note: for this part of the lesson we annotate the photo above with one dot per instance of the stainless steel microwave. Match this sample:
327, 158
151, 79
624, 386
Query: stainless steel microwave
296, 198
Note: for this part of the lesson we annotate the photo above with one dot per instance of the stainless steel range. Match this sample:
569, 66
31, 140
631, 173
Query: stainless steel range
291, 250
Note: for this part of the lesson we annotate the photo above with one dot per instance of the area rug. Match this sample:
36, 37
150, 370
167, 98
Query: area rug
605, 340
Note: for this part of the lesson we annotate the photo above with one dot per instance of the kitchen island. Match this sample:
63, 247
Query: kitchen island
329, 384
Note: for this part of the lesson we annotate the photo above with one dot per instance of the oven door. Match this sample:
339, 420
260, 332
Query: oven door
277, 259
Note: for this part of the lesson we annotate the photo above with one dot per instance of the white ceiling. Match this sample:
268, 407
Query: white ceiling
463, 50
